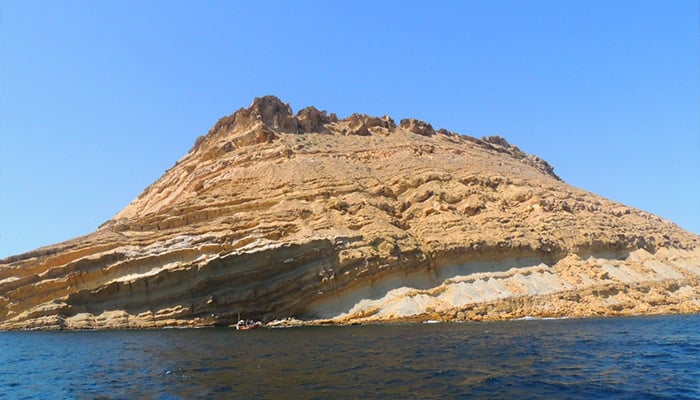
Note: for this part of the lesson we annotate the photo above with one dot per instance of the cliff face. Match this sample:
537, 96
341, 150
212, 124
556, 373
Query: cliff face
276, 215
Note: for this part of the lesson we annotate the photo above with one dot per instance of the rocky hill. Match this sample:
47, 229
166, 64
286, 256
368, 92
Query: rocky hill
277, 215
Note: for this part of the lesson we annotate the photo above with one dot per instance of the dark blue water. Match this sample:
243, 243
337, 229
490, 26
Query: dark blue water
635, 358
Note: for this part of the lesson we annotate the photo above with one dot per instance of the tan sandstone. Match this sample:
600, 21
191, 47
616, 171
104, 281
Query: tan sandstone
324, 220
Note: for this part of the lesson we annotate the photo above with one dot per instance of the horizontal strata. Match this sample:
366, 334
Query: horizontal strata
634, 283
274, 215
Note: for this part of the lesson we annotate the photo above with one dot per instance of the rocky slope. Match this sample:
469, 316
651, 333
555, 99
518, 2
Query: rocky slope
276, 215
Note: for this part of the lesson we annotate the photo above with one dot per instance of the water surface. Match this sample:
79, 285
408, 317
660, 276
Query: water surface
648, 357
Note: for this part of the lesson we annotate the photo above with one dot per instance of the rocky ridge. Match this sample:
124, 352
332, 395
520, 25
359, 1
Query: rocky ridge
278, 215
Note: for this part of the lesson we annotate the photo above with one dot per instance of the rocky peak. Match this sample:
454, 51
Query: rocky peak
259, 123
268, 117
271, 112
417, 126
310, 119
360, 124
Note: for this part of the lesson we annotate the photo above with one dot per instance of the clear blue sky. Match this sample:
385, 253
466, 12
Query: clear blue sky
99, 98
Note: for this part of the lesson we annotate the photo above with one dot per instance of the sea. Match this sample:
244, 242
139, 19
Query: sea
654, 357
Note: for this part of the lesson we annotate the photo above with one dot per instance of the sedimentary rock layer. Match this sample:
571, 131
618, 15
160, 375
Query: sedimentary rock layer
273, 215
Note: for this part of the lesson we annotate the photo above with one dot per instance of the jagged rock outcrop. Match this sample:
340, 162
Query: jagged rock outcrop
275, 215
417, 126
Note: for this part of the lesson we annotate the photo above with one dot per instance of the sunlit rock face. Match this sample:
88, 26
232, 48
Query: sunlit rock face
275, 215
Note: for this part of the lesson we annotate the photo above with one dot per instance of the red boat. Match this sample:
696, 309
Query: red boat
247, 325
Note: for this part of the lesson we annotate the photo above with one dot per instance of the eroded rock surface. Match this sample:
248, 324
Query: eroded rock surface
275, 215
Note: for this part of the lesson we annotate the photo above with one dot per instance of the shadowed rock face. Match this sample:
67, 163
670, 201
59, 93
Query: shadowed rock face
276, 215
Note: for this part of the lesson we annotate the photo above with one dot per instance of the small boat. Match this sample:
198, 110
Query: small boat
247, 325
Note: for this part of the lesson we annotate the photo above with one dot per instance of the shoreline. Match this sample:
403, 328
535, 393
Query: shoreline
428, 318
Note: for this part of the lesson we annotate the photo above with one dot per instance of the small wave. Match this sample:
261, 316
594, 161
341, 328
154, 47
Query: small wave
533, 318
